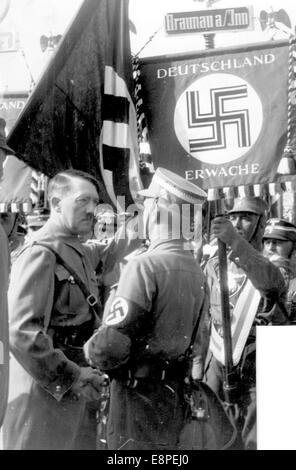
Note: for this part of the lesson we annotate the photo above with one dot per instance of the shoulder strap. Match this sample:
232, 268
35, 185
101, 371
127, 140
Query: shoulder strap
90, 298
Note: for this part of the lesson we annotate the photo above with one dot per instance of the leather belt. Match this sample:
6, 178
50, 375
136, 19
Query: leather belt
175, 370
72, 336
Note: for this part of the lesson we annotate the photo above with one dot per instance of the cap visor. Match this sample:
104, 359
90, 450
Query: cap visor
276, 237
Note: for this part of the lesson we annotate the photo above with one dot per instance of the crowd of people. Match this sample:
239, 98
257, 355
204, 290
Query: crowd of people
99, 330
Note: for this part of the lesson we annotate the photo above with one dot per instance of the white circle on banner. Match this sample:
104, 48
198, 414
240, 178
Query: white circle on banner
218, 118
118, 312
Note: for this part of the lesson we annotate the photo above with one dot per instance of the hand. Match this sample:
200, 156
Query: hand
223, 229
99, 380
89, 384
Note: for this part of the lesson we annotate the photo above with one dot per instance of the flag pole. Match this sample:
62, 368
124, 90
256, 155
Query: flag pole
230, 382
224, 292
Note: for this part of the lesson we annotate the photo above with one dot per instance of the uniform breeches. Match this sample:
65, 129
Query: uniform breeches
147, 417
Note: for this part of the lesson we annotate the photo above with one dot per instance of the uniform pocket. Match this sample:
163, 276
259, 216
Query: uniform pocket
69, 299
61, 273
62, 289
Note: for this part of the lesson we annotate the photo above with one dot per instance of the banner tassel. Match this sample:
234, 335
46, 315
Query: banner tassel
145, 158
287, 165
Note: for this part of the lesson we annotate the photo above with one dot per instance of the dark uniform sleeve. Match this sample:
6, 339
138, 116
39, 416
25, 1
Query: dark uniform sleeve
98, 251
124, 242
263, 274
124, 318
30, 299
267, 278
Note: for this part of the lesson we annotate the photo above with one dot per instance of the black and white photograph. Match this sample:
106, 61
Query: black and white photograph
147, 227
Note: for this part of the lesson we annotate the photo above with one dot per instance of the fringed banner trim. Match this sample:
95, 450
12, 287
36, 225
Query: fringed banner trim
256, 190
24, 207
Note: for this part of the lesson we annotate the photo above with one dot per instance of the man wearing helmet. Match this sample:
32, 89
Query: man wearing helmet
251, 278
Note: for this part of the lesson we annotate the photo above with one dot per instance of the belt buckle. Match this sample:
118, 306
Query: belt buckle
91, 300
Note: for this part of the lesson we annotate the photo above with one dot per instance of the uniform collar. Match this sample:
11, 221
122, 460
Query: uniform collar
53, 232
168, 244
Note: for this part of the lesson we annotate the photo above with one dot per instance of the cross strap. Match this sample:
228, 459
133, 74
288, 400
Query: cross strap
89, 297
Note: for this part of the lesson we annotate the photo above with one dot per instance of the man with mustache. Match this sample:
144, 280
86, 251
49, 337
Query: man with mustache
149, 321
52, 388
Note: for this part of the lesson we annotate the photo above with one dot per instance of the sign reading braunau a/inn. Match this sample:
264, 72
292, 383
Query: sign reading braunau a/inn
227, 19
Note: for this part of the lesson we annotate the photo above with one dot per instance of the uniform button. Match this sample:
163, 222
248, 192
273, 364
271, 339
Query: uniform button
58, 389
236, 259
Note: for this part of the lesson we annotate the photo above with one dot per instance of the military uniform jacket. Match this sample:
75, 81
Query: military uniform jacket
159, 297
42, 412
244, 263
41, 296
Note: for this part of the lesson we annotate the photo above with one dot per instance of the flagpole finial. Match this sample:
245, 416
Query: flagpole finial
287, 165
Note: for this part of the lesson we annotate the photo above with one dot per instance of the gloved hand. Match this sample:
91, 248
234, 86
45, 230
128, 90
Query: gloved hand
89, 384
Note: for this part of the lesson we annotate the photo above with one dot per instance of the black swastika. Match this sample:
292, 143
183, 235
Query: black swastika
117, 312
218, 118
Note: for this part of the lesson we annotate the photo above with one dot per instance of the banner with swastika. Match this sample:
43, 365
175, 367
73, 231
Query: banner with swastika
219, 117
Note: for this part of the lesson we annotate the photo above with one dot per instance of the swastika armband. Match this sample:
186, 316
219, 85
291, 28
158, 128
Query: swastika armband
108, 348
118, 311
124, 314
